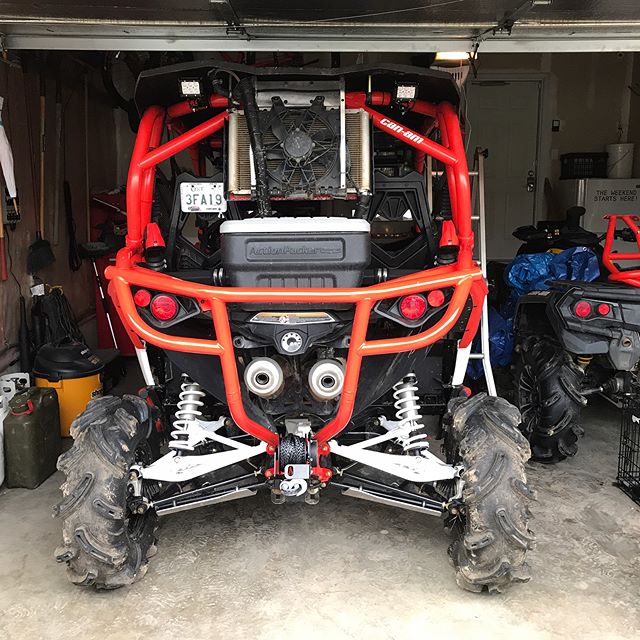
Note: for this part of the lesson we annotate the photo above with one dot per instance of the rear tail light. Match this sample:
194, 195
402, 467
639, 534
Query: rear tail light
142, 298
435, 298
413, 307
582, 309
164, 307
603, 309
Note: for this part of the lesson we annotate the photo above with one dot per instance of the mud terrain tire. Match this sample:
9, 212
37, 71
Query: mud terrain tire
491, 533
103, 544
548, 394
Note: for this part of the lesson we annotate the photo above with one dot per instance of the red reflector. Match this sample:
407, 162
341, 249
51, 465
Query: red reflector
435, 298
142, 298
582, 309
164, 307
413, 307
604, 309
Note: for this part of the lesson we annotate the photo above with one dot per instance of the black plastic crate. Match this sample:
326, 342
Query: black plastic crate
629, 456
583, 165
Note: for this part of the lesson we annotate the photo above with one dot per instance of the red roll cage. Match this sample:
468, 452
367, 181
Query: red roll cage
611, 257
465, 276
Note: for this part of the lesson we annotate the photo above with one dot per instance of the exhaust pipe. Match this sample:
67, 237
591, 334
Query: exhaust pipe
326, 378
264, 377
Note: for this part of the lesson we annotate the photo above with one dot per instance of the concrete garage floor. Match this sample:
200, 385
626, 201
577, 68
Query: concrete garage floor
342, 569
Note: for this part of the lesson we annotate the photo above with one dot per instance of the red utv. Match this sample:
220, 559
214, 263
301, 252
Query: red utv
297, 306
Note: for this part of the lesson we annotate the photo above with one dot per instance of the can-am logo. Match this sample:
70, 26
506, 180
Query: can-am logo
398, 128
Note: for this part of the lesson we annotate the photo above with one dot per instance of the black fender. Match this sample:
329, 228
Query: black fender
532, 314
617, 335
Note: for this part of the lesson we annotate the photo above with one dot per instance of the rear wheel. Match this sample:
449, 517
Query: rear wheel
548, 387
106, 544
491, 528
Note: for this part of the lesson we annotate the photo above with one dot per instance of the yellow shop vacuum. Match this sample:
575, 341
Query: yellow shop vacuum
74, 372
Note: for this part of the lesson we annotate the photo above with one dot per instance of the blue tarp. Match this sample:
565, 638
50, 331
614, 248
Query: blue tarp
530, 272
500, 344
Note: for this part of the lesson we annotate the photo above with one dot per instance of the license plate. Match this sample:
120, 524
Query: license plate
202, 197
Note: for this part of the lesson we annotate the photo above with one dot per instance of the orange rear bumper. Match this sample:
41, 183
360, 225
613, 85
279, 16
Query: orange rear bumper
466, 283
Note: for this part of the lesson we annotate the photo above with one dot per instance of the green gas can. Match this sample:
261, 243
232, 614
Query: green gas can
32, 439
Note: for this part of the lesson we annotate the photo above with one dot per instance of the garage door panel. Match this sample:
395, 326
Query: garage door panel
146, 10
451, 13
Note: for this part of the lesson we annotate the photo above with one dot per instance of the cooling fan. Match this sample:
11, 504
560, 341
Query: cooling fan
302, 148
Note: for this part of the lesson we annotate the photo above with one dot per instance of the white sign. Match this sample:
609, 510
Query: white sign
202, 197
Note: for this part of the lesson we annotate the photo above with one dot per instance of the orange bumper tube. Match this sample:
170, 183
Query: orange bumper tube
215, 299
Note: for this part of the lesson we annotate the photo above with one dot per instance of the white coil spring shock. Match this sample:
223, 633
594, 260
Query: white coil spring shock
187, 413
407, 405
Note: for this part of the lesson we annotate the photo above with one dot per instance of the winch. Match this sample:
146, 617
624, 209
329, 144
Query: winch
297, 469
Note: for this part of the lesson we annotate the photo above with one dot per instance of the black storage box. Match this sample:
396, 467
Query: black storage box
295, 252
583, 165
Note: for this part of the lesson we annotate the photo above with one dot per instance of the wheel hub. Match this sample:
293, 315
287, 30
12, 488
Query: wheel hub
529, 399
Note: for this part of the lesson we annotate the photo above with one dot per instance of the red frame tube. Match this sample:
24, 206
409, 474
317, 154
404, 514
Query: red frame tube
464, 277
628, 276
186, 107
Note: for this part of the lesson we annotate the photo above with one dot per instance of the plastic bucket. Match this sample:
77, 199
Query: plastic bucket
620, 162
74, 372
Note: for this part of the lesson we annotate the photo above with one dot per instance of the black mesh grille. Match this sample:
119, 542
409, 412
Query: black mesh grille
629, 456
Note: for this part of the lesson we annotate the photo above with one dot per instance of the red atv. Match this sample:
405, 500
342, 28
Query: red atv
297, 305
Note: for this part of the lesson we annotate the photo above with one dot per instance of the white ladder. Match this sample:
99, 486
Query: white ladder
477, 194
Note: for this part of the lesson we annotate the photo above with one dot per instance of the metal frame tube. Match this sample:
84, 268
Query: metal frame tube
627, 276
465, 276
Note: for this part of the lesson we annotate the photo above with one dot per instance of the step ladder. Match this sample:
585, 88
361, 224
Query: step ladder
479, 222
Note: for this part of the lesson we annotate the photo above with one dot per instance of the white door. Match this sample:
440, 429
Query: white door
504, 119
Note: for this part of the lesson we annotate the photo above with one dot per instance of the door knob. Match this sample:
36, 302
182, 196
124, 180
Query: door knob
531, 181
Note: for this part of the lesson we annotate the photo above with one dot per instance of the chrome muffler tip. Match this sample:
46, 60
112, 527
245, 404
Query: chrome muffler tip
326, 379
264, 377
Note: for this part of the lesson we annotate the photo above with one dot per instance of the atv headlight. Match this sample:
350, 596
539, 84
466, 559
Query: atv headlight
405, 92
190, 87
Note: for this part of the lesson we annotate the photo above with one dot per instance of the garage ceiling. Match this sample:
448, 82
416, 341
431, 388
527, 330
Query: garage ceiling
323, 25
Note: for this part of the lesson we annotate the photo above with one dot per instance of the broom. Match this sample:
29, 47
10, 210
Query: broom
40, 253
